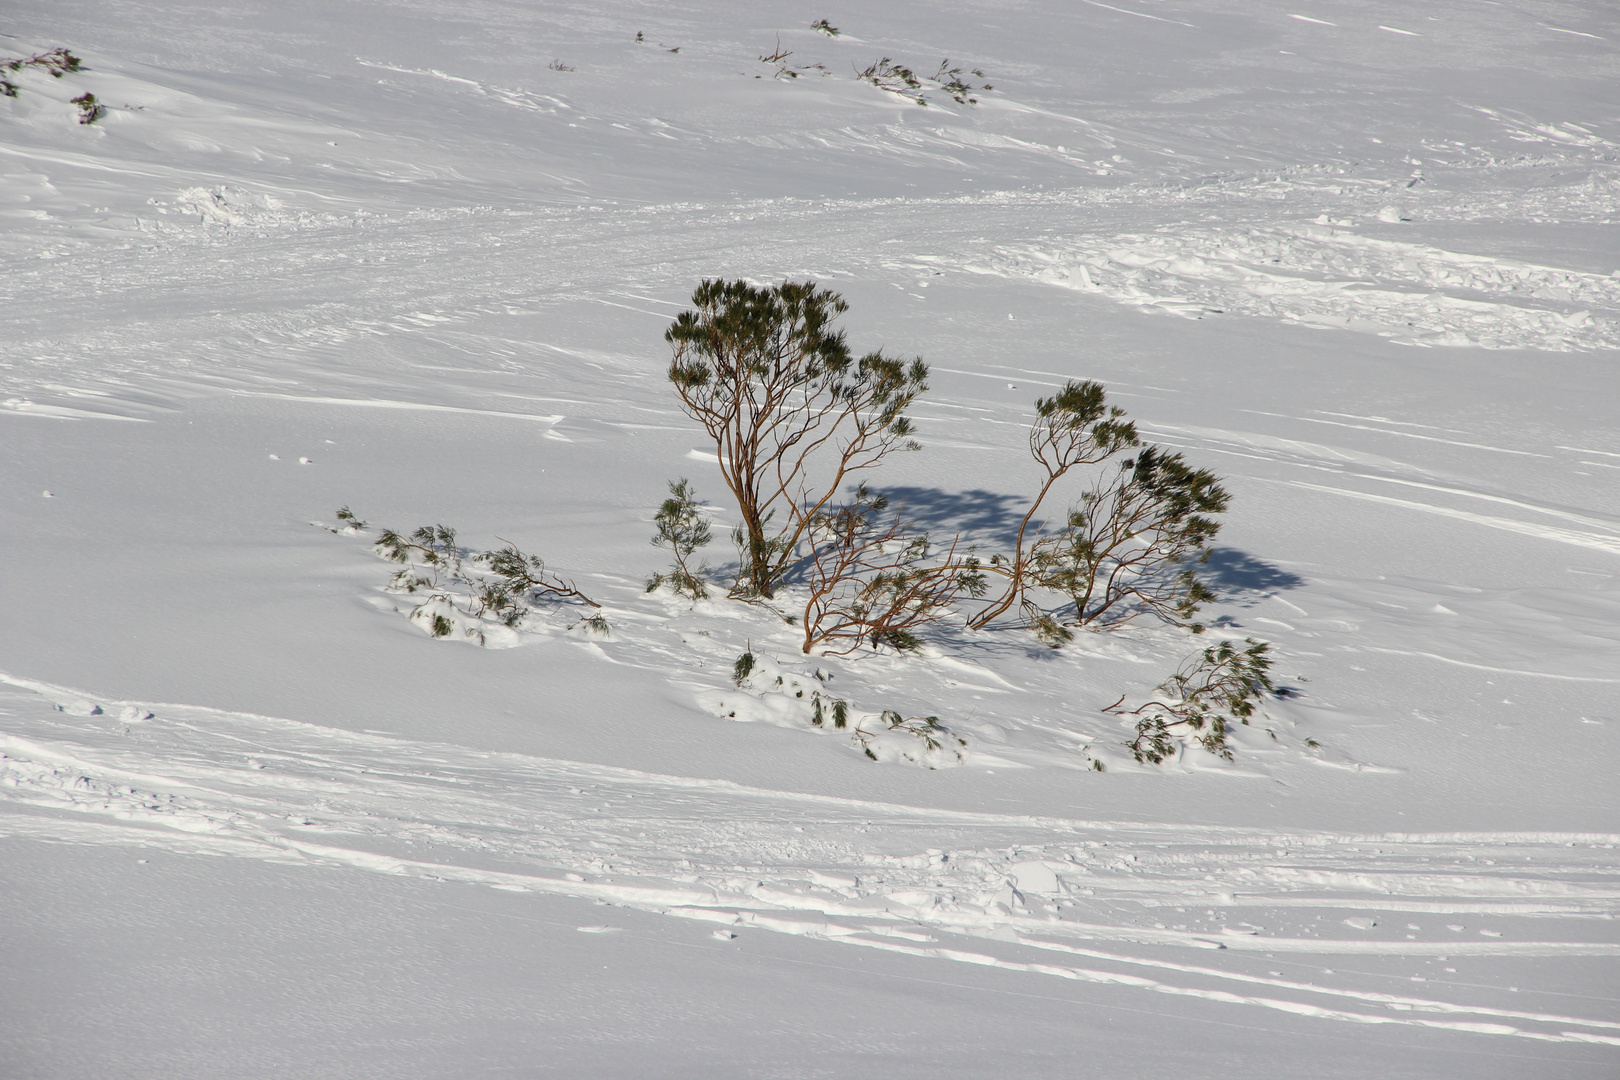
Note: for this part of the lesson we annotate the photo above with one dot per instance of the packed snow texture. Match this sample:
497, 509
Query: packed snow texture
1362, 260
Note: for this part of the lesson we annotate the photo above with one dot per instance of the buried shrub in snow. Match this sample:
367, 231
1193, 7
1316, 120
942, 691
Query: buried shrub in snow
1213, 688
956, 82
56, 63
784, 70
461, 601
897, 79
771, 692
925, 728
90, 110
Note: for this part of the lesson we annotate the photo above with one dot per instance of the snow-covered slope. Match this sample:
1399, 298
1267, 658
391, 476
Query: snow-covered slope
1363, 260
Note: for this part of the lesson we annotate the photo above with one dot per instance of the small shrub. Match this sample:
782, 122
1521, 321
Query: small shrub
825, 27
1218, 686
960, 89
1130, 547
558, 65
785, 70
641, 39
433, 562
743, 668
57, 62
925, 728
897, 79
90, 110
348, 524
1072, 428
683, 529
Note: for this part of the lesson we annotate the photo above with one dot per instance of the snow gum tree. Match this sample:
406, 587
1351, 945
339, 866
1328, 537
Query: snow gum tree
1073, 427
1128, 547
792, 412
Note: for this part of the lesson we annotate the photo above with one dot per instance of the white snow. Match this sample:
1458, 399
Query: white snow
418, 259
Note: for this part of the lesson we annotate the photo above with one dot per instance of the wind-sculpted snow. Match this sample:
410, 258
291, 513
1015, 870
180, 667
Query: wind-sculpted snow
1185, 910
1332, 277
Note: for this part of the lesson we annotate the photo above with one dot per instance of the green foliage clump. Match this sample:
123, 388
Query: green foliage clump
743, 668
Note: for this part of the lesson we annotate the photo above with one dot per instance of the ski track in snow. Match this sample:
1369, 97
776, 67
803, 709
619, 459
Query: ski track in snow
1187, 910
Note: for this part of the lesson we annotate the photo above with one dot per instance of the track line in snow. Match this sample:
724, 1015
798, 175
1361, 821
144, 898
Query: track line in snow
1332, 278
1595, 541
408, 406
851, 871
1490, 667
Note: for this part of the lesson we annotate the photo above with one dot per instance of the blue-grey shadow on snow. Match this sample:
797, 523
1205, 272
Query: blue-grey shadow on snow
1237, 575
983, 517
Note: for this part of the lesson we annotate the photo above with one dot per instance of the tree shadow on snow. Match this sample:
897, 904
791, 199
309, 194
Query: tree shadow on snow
984, 517
1237, 576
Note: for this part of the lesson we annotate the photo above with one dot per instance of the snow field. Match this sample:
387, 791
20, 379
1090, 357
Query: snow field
927, 883
395, 259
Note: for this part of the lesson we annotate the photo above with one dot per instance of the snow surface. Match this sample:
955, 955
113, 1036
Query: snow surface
1362, 259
